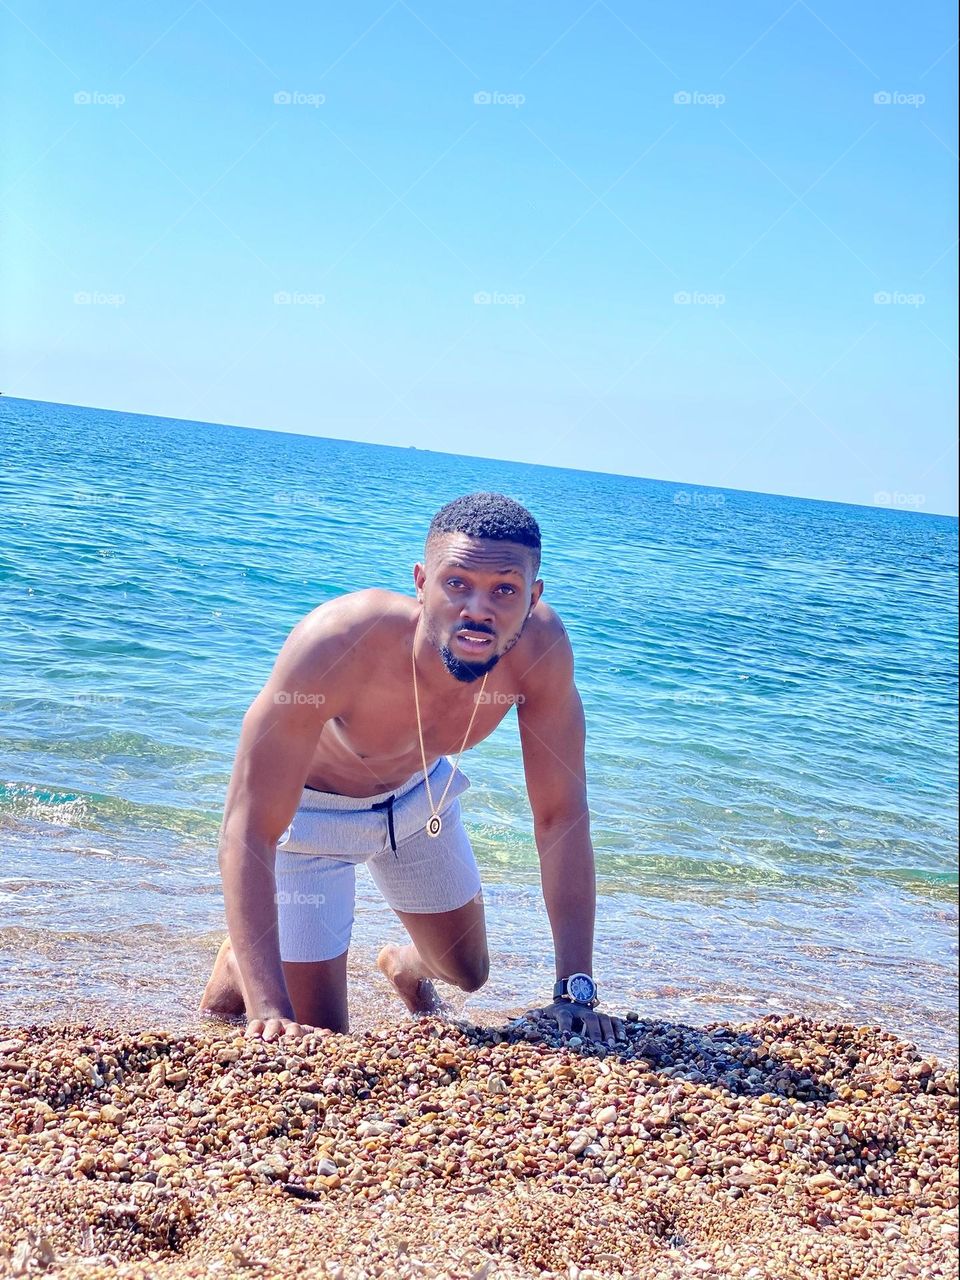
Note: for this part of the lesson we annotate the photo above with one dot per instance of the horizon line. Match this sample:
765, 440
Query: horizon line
515, 462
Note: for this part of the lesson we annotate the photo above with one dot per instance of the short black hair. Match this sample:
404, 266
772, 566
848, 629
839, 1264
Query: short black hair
489, 515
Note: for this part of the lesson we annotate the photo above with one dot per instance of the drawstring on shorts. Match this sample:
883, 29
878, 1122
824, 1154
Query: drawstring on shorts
388, 805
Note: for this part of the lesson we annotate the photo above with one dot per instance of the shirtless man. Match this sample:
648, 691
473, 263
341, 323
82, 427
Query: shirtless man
342, 759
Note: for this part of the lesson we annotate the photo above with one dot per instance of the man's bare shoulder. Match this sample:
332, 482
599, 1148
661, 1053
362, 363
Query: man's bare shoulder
546, 626
342, 623
358, 609
326, 652
548, 655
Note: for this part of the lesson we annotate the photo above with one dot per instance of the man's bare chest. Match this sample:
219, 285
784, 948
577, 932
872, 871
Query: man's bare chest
381, 723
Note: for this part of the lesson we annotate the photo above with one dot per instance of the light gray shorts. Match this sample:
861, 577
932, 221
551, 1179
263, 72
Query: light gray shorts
330, 834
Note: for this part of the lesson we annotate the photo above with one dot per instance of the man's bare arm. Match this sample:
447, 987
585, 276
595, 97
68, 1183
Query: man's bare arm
552, 735
277, 743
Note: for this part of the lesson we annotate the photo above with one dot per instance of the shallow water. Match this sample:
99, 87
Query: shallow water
770, 688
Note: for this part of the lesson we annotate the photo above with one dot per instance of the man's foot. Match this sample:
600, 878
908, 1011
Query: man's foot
417, 993
223, 995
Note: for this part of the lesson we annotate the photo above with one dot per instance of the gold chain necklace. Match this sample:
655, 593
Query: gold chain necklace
434, 824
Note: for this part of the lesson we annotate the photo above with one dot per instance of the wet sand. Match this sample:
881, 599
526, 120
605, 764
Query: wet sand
784, 1148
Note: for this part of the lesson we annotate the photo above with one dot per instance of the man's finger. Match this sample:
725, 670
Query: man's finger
255, 1029
591, 1025
606, 1028
564, 1019
619, 1030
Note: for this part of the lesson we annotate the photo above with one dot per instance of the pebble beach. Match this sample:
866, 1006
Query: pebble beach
780, 1149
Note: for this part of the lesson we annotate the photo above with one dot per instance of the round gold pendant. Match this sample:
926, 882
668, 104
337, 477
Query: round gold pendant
434, 825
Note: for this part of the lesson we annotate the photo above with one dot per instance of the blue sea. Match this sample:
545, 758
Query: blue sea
770, 687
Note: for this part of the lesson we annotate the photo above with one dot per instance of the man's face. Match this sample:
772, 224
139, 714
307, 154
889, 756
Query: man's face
477, 594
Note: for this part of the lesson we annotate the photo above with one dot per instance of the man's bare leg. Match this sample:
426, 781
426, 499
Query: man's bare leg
450, 945
223, 994
411, 977
318, 991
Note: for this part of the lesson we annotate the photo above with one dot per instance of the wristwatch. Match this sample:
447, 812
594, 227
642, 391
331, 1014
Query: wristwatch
579, 988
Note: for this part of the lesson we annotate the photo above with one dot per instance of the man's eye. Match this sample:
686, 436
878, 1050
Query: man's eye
454, 582
505, 586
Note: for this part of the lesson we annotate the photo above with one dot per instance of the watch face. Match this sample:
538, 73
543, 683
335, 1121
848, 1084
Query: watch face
581, 988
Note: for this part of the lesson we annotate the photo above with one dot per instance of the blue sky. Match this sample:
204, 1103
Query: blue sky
576, 267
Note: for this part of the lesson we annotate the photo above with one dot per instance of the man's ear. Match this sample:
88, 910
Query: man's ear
419, 578
536, 593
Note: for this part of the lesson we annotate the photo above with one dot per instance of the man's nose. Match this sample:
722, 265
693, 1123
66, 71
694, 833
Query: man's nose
476, 609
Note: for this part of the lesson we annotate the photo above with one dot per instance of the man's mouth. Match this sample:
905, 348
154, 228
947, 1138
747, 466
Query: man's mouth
473, 641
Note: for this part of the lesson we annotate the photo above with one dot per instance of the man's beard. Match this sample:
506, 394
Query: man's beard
466, 672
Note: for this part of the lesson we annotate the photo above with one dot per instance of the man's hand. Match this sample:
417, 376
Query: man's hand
593, 1026
275, 1027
